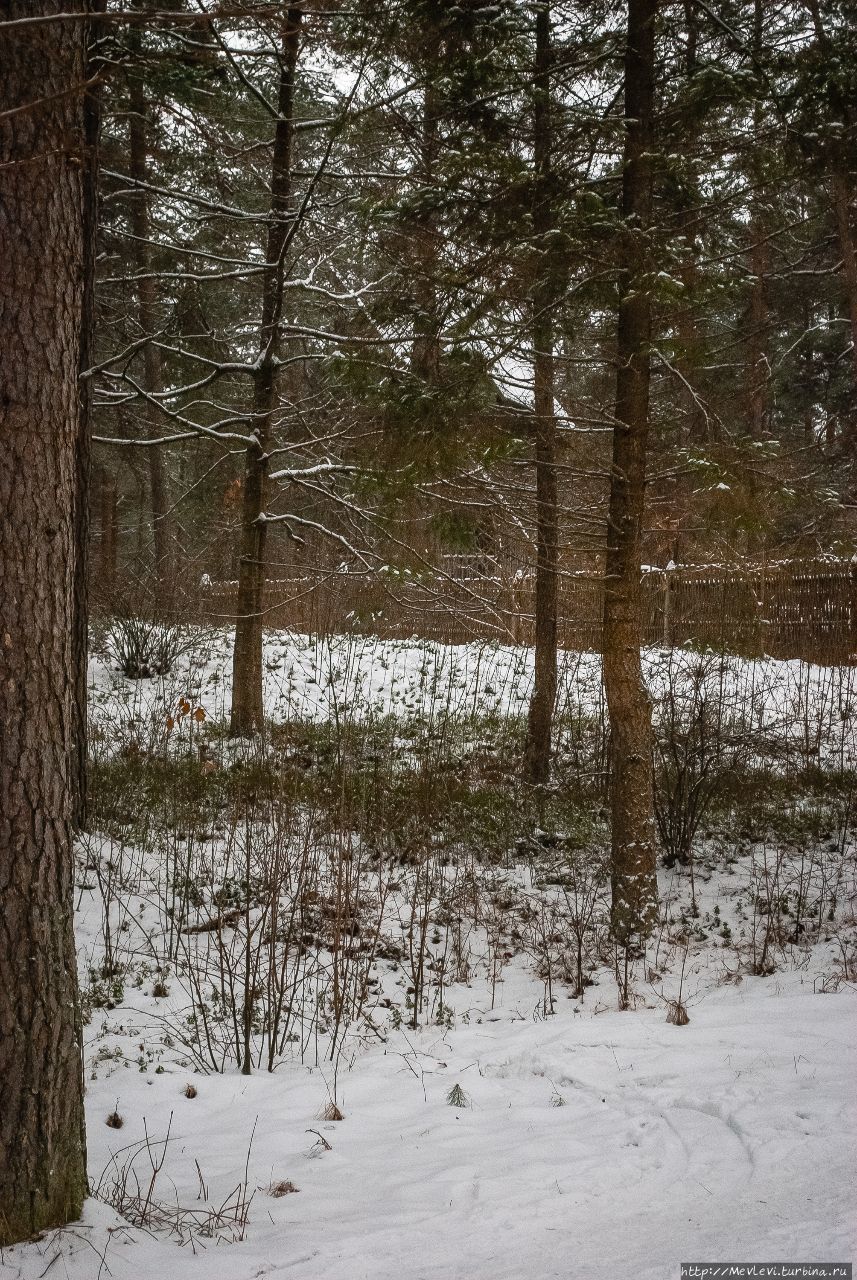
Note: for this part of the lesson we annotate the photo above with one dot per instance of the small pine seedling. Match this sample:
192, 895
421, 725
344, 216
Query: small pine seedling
457, 1097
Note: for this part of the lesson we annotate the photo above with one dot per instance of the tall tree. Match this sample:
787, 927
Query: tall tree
247, 708
80, 628
43, 203
634, 881
758, 367
138, 167
426, 344
835, 78
542, 703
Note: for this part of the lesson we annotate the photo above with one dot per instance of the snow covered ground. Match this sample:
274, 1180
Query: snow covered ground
594, 1144
355, 678
586, 1144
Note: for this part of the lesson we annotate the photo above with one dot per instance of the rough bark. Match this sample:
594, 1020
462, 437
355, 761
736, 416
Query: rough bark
634, 881
91, 129
43, 198
247, 708
542, 703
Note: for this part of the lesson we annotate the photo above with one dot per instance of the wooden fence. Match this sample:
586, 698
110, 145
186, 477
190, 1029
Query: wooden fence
788, 610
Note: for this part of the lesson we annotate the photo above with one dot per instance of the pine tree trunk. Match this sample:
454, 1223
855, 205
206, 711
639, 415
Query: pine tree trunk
690, 344
848, 249
634, 881
148, 314
543, 701
43, 164
842, 196
109, 522
757, 363
247, 703
426, 346
758, 371
80, 737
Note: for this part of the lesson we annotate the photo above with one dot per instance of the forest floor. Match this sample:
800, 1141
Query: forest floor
594, 1144
520, 1131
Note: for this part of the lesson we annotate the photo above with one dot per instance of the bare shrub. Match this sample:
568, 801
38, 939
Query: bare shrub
677, 1014
284, 1188
691, 747
143, 647
129, 1184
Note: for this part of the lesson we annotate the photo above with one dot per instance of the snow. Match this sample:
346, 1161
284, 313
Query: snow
593, 1143
732, 1137
357, 678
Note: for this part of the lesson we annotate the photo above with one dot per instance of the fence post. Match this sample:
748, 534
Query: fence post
763, 594
667, 606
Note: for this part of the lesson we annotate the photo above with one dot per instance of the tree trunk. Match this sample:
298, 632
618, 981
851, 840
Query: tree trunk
247, 704
634, 881
148, 312
842, 194
426, 348
91, 127
688, 227
757, 362
542, 703
758, 371
108, 507
43, 165
842, 209
848, 249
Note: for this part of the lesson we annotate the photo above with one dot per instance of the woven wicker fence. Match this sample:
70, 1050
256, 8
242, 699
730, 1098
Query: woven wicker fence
791, 610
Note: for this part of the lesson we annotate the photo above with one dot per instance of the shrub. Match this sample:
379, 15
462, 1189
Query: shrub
142, 648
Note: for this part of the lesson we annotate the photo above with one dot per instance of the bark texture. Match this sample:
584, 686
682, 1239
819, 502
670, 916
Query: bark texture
91, 130
43, 214
247, 707
543, 701
634, 882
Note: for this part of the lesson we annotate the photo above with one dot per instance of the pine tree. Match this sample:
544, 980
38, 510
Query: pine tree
44, 166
